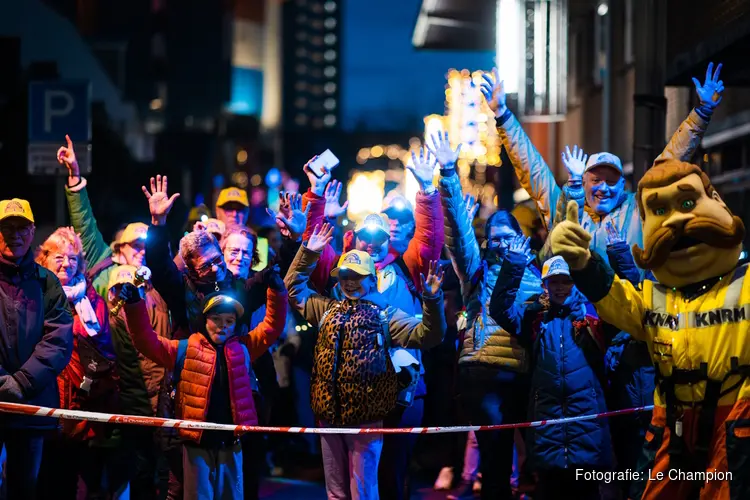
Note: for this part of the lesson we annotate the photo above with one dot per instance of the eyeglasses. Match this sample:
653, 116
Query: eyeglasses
217, 261
234, 253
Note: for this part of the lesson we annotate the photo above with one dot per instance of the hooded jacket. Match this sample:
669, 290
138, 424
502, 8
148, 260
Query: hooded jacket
538, 180
568, 344
485, 341
36, 336
195, 358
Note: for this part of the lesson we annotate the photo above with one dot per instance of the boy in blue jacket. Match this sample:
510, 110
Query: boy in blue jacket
568, 342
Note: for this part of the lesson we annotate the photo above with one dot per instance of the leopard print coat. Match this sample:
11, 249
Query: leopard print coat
353, 379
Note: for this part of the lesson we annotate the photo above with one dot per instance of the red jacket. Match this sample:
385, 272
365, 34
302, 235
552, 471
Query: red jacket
69, 380
199, 363
426, 245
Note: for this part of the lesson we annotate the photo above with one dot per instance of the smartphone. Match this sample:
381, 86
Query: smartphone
326, 160
263, 254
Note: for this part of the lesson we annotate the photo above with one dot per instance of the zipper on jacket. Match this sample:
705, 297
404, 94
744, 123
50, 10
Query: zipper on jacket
562, 391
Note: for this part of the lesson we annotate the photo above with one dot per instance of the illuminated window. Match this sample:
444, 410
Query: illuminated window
330, 23
300, 86
301, 69
301, 52
329, 88
330, 7
300, 119
301, 102
330, 55
329, 120
301, 19
301, 36
329, 104
329, 39
329, 71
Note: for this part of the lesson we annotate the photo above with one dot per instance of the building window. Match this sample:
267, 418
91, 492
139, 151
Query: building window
600, 44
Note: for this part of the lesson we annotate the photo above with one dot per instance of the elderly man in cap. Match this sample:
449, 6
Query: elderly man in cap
400, 215
597, 185
233, 207
36, 328
398, 280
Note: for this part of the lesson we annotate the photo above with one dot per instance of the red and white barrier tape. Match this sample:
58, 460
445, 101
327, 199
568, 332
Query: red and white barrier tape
40, 411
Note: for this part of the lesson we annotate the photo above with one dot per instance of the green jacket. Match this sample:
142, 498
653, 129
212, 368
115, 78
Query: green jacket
83, 222
140, 378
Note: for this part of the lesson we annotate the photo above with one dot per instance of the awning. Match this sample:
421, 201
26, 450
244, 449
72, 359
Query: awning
456, 25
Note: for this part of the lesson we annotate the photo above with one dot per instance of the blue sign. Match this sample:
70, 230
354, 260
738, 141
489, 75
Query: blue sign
57, 108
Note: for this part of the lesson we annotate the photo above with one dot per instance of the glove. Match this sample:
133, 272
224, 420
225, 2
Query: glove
129, 293
569, 240
10, 389
272, 278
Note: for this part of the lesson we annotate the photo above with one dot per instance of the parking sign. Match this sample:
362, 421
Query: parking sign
57, 108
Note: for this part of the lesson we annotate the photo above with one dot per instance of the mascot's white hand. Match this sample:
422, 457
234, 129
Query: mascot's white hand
569, 240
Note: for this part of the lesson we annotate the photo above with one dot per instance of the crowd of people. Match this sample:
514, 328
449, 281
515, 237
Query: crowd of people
613, 300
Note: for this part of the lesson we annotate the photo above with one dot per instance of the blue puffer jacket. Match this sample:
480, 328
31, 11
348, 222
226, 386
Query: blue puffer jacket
567, 372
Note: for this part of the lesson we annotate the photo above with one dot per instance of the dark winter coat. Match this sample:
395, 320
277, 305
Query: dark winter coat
36, 336
568, 344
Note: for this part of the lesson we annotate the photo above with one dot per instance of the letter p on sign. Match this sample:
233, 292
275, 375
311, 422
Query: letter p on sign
57, 104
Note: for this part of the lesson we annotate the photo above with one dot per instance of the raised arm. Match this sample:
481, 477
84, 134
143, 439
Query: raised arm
79, 206
270, 329
688, 137
460, 239
165, 276
504, 308
429, 236
407, 331
52, 354
532, 171
160, 350
307, 302
314, 202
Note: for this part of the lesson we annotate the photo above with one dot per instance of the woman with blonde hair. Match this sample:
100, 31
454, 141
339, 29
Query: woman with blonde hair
89, 382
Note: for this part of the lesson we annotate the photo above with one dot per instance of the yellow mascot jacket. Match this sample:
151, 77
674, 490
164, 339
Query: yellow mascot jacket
699, 340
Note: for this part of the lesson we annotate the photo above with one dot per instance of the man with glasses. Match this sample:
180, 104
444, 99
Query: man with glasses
36, 327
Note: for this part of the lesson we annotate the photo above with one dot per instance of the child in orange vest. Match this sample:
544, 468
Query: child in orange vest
215, 377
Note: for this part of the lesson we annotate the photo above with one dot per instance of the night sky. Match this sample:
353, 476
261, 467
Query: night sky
386, 82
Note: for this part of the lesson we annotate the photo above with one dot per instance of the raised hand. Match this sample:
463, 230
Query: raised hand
321, 237
423, 168
521, 245
441, 150
317, 185
471, 206
710, 92
291, 219
575, 162
569, 240
613, 237
493, 91
66, 155
159, 202
431, 285
333, 208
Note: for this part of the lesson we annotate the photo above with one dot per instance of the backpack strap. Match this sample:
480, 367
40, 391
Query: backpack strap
101, 266
404, 272
385, 320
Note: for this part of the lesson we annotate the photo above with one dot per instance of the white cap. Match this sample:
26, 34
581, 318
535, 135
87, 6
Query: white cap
554, 266
520, 195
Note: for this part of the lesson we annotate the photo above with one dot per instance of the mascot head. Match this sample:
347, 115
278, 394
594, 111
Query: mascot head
689, 233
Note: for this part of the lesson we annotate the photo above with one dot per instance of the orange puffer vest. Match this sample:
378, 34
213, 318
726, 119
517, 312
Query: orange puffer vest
197, 375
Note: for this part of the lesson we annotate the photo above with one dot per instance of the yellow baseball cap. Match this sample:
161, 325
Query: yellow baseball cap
232, 195
16, 208
133, 232
121, 275
223, 299
355, 261
215, 226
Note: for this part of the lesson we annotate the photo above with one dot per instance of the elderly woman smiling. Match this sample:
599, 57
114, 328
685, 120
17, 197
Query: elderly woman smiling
88, 382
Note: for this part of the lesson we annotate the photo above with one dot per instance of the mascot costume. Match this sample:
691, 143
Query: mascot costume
696, 321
